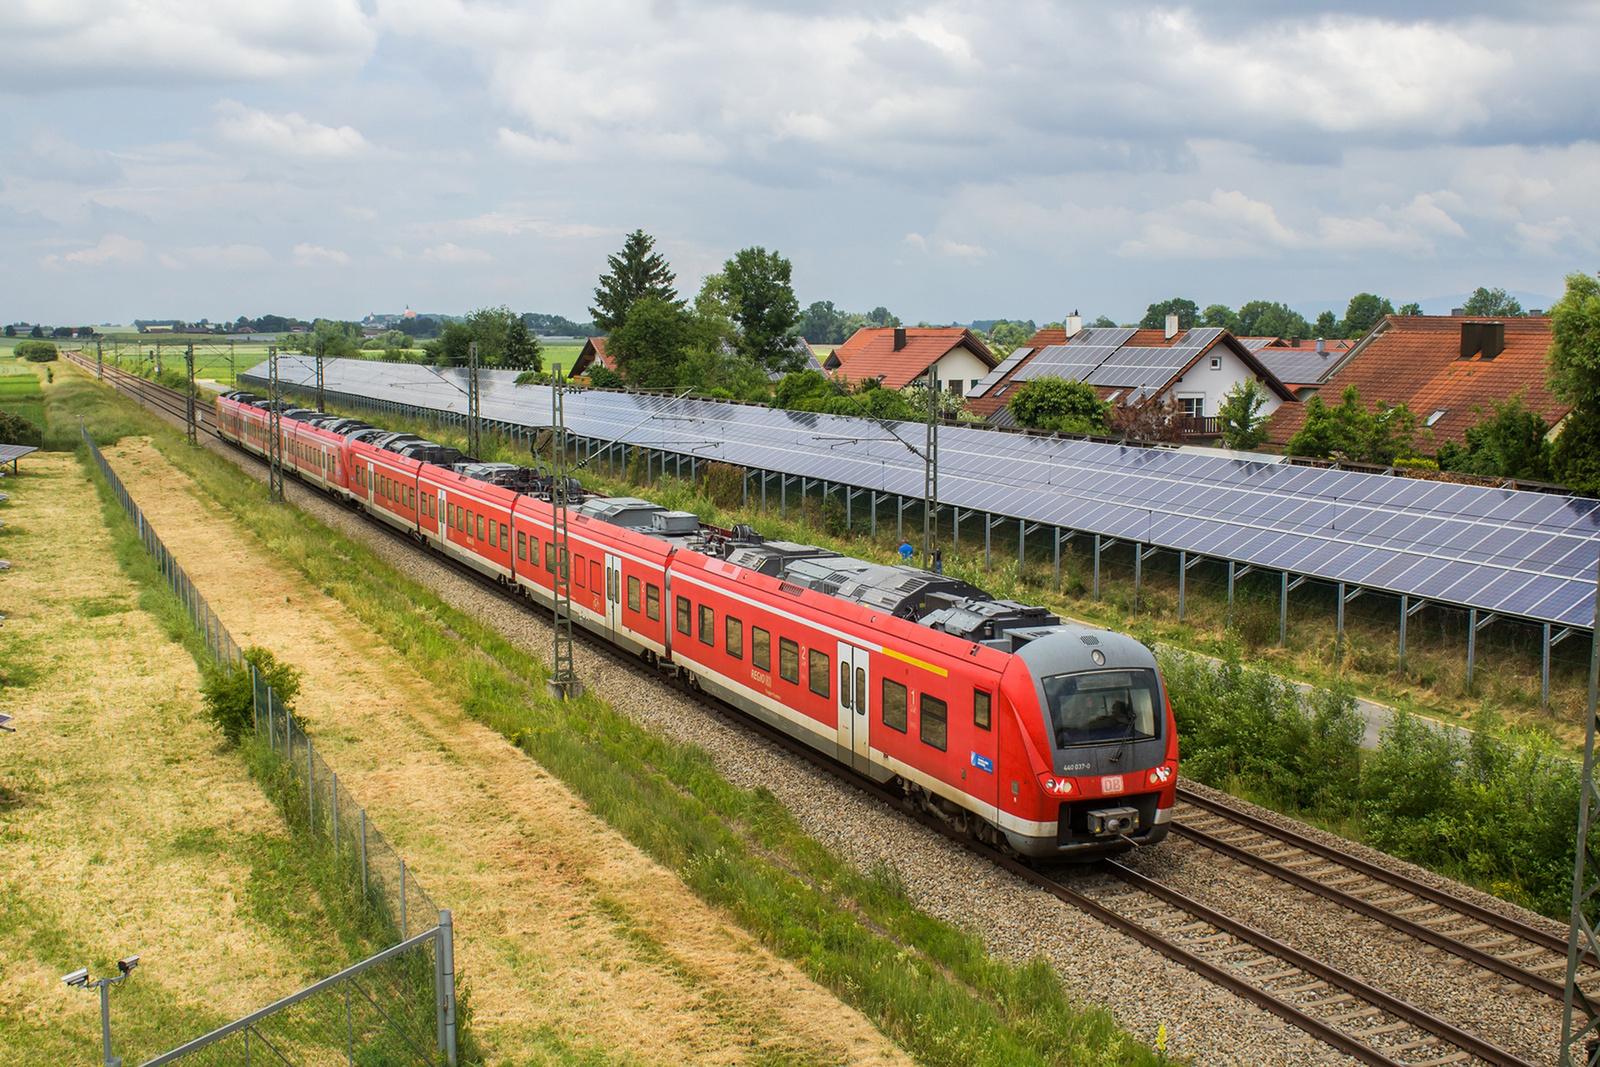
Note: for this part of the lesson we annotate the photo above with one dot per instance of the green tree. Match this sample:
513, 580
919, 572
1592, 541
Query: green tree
822, 324
1364, 312
1409, 309
650, 346
1155, 316
1102, 322
880, 317
1328, 325
1005, 336
1243, 424
1510, 443
1264, 318
1575, 377
502, 336
1495, 303
1053, 403
761, 302
1222, 317
636, 272
1352, 432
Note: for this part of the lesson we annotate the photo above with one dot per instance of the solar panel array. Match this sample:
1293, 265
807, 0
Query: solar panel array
1004, 368
1501, 550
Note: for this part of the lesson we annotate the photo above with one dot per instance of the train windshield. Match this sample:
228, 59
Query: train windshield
1102, 706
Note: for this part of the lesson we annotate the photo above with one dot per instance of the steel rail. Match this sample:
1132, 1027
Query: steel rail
1419, 889
1235, 983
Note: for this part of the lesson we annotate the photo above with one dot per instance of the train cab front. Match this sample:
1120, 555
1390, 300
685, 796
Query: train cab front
1105, 776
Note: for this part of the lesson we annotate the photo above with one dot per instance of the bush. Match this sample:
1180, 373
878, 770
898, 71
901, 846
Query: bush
229, 696
604, 377
533, 377
16, 430
36, 351
724, 484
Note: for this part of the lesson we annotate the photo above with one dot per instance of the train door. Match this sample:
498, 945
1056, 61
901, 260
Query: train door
854, 704
613, 594
980, 777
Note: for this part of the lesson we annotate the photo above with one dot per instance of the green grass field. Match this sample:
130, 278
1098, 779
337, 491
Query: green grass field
20, 393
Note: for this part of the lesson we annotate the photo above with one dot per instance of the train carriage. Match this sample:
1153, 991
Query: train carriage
1049, 740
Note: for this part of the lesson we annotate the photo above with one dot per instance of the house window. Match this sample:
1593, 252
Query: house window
894, 705
955, 387
934, 722
1216, 362
1192, 406
1436, 416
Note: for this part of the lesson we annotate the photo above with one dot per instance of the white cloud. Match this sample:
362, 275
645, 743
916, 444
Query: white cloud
308, 254
227, 257
450, 253
85, 43
944, 246
291, 133
113, 248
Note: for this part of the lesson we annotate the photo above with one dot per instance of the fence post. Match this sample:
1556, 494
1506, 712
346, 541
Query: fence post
255, 702
447, 942
335, 792
311, 789
402, 900
364, 897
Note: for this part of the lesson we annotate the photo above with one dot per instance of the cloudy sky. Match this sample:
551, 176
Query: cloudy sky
172, 158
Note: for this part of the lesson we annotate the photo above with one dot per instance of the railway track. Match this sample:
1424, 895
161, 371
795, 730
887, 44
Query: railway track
1336, 1008
1515, 950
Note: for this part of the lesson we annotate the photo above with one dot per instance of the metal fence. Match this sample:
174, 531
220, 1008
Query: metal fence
399, 1005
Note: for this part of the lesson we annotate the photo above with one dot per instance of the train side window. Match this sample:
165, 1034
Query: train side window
550, 556
820, 666
533, 549
505, 541
733, 637
894, 705
652, 602
788, 660
933, 722
480, 527
708, 625
522, 544
633, 593
760, 649
683, 615
980, 709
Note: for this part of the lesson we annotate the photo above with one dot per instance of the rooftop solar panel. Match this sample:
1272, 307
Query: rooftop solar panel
1004, 368
1499, 550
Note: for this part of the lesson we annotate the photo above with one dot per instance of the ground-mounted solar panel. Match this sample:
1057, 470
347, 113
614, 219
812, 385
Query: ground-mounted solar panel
1499, 550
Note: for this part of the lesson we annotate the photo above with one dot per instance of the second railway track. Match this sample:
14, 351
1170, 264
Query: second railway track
1334, 1007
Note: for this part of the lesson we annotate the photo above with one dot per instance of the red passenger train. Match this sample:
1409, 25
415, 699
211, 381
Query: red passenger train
1046, 739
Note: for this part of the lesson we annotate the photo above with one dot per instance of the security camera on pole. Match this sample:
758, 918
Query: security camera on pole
80, 979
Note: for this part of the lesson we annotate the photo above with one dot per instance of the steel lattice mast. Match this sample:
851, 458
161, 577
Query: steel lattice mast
190, 426
322, 400
274, 428
474, 427
1578, 1034
930, 472
563, 679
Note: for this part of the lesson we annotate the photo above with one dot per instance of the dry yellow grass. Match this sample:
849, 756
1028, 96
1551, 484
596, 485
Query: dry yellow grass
124, 826
563, 927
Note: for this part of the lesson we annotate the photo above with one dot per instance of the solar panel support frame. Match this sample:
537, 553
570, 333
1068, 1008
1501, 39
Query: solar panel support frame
1283, 606
1544, 667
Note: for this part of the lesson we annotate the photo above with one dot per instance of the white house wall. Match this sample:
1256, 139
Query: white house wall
961, 365
1213, 385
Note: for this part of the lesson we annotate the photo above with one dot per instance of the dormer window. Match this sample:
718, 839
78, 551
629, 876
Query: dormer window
1435, 417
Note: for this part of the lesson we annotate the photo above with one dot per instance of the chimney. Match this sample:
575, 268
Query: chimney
1322, 346
899, 338
1172, 326
1458, 312
1074, 324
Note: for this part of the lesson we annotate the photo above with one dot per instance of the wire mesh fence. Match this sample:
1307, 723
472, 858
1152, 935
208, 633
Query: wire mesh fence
396, 1007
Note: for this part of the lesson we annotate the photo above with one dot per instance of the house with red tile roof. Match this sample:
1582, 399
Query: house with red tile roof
899, 355
1193, 370
1448, 369
1303, 363
594, 351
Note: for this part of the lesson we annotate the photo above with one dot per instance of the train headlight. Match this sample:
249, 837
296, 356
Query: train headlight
1056, 787
1160, 775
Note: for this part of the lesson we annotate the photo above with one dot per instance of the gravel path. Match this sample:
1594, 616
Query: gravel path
1018, 922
